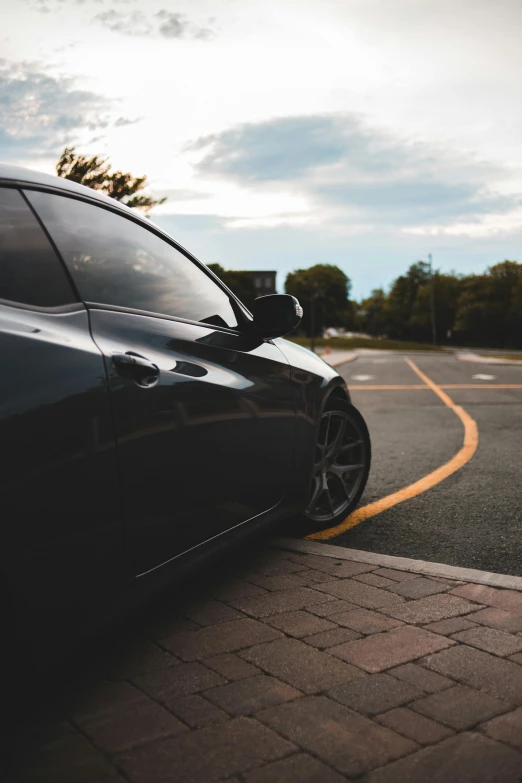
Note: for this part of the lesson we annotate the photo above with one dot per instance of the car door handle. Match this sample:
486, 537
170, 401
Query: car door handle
141, 370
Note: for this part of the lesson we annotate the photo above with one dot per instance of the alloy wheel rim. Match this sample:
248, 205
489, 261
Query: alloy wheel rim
340, 458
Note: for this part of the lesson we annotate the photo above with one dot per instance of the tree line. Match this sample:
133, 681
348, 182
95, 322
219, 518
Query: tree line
475, 310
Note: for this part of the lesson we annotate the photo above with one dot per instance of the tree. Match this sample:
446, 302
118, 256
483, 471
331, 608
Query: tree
328, 288
401, 299
96, 173
488, 310
372, 313
446, 292
240, 283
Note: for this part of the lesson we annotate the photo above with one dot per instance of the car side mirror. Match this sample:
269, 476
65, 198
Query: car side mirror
276, 315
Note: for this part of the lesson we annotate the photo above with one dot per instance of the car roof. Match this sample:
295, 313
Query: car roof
23, 176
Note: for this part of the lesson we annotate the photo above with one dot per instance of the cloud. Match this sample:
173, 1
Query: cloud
370, 260
40, 114
167, 24
346, 168
277, 150
180, 194
122, 122
133, 23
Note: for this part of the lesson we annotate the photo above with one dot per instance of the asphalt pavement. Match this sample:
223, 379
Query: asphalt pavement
474, 517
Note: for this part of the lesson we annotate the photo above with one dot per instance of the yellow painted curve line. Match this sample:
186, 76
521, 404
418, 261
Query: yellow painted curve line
423, 387
463, 456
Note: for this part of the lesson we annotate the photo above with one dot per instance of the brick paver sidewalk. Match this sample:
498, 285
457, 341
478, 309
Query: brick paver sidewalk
299, 668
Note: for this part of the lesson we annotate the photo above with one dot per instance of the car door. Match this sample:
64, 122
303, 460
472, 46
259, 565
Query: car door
61, 521
203, 411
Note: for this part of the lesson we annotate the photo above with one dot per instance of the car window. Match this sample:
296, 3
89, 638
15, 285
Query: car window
30, 271
115, 261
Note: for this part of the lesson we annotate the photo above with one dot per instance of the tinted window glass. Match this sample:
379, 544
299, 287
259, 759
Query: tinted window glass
30, 271
115, 261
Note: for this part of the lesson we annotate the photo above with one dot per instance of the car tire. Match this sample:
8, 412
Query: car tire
341, 466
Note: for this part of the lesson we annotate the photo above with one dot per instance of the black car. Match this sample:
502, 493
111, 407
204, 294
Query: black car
144, 411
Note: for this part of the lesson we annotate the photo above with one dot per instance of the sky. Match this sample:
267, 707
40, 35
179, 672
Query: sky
361, 133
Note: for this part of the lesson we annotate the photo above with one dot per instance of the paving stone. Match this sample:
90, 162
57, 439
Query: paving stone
231, 666
300, 623
396, 576
274, 566
509, 600
300, 768
106, 697
46, 731
246, 697
517, 658
236, 588
281, 582
497, 618
160, 629
498, 676
346, 741
491, 640
466, 758
282, 601
506, 728
181, 680
195, 711
460, 707
164, 626
331, 638
303, 559
300, 665
447, 627
374, 580
312, 576
72, 760
137, 656
208, 754
343, 569
222, 638
360, 594
425, 680
135, 725
418, 588
382, 651
414, 726
335, 606
375, 694
210, 612
430, 609
365, 621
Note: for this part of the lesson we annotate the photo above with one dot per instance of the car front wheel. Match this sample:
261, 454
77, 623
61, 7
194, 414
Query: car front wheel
341, 465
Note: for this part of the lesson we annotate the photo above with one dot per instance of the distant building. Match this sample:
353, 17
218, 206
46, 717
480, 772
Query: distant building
264, 282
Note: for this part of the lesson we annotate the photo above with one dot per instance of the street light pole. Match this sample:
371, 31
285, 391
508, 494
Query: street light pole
432, 304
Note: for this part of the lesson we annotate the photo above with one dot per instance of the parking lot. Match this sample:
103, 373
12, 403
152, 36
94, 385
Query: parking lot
471, 518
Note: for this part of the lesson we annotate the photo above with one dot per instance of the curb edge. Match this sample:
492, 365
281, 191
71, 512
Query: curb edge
400, 563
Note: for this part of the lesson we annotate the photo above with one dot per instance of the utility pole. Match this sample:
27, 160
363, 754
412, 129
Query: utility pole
312, 322
432, 304
315, 293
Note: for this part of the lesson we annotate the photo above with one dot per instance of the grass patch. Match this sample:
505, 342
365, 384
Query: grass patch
348, 343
